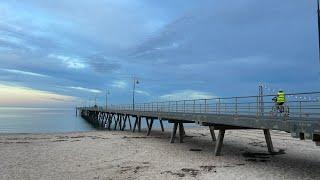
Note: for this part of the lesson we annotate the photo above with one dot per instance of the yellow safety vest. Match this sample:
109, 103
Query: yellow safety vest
281, 97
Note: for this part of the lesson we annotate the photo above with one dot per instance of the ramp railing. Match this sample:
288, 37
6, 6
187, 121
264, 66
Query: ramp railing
297, 105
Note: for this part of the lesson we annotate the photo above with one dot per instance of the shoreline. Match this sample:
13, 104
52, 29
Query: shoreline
50, 133
126, 155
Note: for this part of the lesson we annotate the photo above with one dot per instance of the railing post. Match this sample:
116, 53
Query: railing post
176, 106
157, 106
257, 108
184, 105
216, 108
205, 106
300, 109
236, 113
194, 106
219, 106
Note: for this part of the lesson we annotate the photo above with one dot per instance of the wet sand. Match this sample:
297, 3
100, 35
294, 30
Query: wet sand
126, 155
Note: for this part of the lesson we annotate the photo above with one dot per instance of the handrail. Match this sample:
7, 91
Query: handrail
244, 105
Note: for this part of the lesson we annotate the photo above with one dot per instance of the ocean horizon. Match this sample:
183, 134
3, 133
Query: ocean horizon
41, 120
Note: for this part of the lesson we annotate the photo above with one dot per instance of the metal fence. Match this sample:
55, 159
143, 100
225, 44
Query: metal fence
302, 105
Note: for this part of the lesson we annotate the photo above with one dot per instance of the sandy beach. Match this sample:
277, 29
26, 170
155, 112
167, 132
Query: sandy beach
127, 155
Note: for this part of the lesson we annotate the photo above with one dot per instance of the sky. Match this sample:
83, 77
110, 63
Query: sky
66, 53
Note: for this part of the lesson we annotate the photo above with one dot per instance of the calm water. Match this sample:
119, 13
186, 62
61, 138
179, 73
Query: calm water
41, 120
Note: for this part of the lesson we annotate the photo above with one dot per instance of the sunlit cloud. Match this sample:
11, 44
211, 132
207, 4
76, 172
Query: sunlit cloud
11, 95
85, 89
15, 71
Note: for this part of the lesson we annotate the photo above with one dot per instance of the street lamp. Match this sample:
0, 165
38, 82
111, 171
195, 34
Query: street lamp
318, 15
107, 93
95, 102
135, 81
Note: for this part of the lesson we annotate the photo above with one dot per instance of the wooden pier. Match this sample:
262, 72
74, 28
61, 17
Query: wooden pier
303, 122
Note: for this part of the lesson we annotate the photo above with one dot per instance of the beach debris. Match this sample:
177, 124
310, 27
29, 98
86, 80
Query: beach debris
261, 157
194, 149
208, 168
174, 173
192, 172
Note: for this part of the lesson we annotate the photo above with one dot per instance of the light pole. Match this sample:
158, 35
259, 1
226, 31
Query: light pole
135, 81
318, 16
107, 93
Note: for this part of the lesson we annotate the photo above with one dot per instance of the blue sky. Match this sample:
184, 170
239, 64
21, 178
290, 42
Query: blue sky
66, 52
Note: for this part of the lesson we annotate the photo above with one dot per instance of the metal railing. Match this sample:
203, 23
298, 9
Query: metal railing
258, 106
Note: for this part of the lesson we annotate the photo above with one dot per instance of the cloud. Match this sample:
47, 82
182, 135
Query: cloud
187, 94
199, 46
70, 62
103, 64
119, 84
145, 93
85, 89
15, 71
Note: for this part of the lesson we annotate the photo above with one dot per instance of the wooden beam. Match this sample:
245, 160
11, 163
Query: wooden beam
182, 121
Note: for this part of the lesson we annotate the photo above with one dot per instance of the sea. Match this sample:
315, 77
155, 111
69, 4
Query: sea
41, 120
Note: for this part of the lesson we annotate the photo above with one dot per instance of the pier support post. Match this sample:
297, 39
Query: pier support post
106, 120
124, 123
139, 124
110, 121
116, 122
120, 121
150, 126
135, 124
181, 132
217, 151
212, 133
268, 140
174, 131
161, 124
129, 119
147, 121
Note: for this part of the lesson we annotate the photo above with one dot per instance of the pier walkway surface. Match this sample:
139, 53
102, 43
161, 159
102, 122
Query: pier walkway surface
300, 116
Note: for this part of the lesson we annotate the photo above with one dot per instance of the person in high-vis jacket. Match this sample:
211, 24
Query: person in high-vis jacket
281, 97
